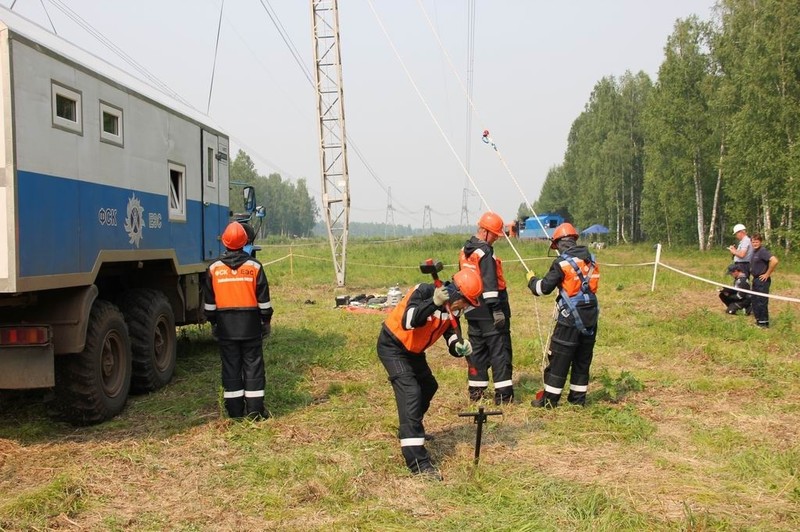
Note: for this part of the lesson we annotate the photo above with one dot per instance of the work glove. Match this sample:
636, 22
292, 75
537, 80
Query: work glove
499, 319
440, 296
530, 275
266, 329
463, 348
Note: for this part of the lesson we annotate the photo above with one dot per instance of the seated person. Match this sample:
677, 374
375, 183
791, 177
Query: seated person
735, 300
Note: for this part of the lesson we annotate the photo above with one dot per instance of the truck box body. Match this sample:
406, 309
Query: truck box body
113, 197
73, 199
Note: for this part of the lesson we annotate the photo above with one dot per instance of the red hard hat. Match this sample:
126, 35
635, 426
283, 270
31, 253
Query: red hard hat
492, 223
234, 237
563, 230
469, 284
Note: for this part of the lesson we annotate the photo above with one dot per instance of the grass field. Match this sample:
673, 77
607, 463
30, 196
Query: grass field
693, 420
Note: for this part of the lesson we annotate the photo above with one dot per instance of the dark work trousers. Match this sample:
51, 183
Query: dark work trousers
414, 386
568, 349
243, 376
730, 298
491, 348
760, 303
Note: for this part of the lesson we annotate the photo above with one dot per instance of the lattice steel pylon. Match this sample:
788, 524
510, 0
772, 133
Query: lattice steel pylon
389, 218
332, 145
465, 208
426, 219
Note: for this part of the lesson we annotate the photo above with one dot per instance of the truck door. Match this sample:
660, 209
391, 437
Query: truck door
215, 193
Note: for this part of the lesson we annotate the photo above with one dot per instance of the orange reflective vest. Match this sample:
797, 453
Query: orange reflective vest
473, 262
578, 289
234, 289
577, 272
418, 339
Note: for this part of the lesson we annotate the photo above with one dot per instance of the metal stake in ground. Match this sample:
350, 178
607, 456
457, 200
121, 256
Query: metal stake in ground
480, 418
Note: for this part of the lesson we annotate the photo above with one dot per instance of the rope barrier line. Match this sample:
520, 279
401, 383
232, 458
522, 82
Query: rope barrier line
604, 264
698, 278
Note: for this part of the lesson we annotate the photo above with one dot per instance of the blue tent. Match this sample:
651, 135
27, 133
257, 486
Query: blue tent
595, 229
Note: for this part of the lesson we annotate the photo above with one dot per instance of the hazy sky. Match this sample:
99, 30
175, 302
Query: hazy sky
535, 64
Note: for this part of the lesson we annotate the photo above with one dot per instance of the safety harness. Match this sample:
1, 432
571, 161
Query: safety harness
584, 295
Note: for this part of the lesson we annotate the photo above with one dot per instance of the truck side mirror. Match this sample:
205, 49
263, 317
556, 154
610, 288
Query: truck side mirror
249, 194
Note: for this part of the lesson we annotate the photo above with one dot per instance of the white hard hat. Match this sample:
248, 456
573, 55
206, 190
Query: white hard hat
737, 228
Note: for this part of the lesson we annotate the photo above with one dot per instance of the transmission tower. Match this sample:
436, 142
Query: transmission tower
389, 218
465, 208
426, 219
332, 145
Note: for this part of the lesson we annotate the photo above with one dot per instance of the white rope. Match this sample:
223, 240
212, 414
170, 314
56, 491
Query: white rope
452, 149
486, 137
761, 294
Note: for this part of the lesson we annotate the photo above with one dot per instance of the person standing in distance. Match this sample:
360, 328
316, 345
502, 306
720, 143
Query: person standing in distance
743, 252
238, 306
576, 275
490, 323
762, 265
415, 324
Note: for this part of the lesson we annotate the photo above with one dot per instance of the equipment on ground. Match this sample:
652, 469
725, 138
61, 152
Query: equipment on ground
479, 419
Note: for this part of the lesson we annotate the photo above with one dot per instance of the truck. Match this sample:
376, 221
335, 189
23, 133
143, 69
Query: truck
113, 197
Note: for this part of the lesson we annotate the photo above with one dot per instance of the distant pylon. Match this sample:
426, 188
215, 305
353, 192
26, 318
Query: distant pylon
389, 218
465, 208
426, 219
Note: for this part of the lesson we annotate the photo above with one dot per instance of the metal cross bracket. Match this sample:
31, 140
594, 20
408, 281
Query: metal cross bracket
480, 418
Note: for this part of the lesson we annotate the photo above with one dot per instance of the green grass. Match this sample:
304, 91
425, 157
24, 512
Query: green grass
692, 421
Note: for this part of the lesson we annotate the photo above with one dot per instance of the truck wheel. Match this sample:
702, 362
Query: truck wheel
92, 386
151, 325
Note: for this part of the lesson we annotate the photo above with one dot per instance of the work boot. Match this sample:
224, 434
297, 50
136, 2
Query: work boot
476, 394
578, 399
427, 471
546, 401
503, 399
259, 416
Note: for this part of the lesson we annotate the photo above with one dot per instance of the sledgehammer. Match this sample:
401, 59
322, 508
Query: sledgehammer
433, 268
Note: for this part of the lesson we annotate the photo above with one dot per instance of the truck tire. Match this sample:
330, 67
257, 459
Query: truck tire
151, 326
92, 386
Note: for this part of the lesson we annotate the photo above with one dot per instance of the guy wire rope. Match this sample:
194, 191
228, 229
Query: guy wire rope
453, 150
487, 139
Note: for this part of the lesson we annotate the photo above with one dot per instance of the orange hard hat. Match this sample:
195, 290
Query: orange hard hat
469, 285
234, 236
564, 230
492, 223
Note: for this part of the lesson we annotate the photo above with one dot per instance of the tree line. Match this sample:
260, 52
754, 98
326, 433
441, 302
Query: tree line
290, 210
711, 143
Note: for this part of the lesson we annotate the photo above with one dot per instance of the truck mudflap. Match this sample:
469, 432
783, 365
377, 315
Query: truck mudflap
27, 367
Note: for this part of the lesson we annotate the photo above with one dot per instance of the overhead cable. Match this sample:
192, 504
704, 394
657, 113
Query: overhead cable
216, 49
467, 93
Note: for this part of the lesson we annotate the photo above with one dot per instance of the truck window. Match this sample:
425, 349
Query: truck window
67, 112
177, 192
111, 124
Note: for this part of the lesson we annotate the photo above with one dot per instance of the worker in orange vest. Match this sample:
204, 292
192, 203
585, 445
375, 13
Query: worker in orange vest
489, 324
576, 275
416, 323
238, 306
